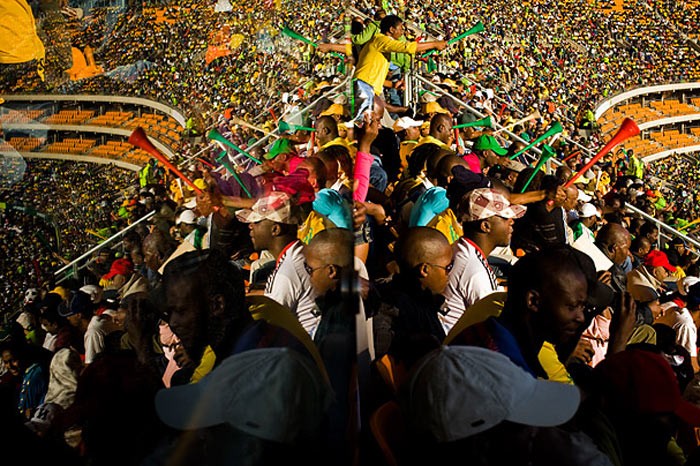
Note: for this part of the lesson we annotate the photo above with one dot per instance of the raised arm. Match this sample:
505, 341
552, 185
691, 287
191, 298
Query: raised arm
433, 44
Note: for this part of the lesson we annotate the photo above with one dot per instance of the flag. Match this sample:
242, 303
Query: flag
222, 43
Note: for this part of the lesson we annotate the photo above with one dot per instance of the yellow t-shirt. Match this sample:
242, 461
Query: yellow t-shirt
405, 149
20, 42
556, 372
446, 223
206, 365
432, 140
373, 64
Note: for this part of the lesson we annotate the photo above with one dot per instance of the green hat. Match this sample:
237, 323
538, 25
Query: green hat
486, 142
281, 146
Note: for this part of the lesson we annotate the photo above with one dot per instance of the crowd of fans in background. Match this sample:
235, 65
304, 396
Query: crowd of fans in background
79, 205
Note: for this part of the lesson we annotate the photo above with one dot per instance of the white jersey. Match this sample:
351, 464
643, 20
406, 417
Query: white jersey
290, 285
470, 280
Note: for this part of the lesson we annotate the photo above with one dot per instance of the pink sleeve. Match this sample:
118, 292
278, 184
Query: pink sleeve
363, 162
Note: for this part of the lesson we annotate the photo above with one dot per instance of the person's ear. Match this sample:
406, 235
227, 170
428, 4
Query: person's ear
485, 226
333, 272
275, 230
532, 300
423, 270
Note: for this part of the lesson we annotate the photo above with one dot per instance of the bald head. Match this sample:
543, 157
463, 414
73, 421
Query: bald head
445, 166
156, 248
432, 162
333, 245
326, 129
614, 240
420, 245
571, 197
441, 127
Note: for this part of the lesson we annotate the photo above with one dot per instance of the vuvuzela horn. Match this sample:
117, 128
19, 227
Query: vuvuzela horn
139, 139
555, 128
238, 121
218, 137
483, 122
478, 27
628, 129
222, 159
285, 127
547, 153
534, 115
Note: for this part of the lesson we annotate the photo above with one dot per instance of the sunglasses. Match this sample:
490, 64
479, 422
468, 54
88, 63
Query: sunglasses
448, 267
310, 270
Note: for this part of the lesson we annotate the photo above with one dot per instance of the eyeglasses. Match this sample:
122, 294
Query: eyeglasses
310, 270
448, 267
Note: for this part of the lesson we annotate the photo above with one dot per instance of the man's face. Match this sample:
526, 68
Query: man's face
261, 234
560, 312
396, 31
151, 256
644, 249
622, 250
653, 236
438, 272
188, 312
12, 363
488, 158
571, 198
660, 273
413, 133
590, 222
501, 230
74, 320
318, 271
186, 229
50, 327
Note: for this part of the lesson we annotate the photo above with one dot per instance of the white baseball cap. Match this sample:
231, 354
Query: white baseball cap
405, 123
276, 394
588, 210
583, 197
187, 217
458, 391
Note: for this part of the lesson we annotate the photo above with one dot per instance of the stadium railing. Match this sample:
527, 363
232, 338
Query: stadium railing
71, 269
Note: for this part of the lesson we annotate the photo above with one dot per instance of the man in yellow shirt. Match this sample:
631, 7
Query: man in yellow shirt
373, 63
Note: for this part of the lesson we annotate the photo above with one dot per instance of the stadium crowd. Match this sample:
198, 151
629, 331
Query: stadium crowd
72, 221
476, 305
